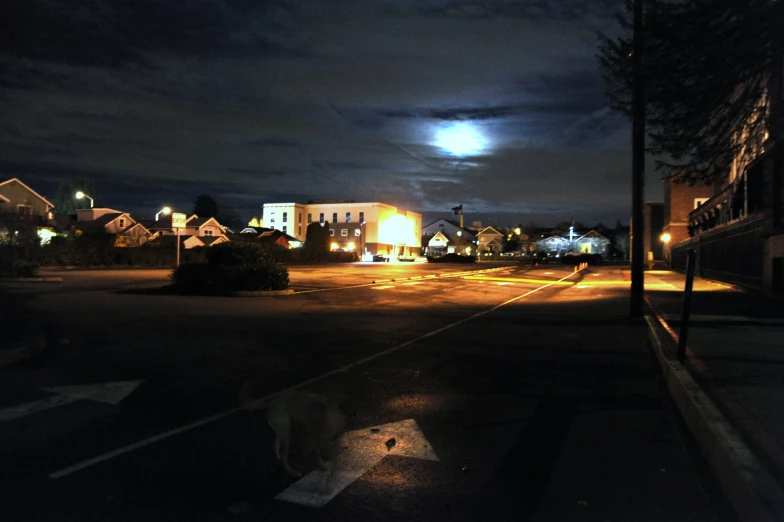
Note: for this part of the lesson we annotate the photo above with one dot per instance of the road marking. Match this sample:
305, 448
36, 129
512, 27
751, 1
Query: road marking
107, 392
384, 287
504, 284
549, 273
517, 280
413, 283
365, 449
263, 400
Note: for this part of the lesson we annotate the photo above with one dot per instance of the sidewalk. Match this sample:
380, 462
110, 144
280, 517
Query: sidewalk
735, 355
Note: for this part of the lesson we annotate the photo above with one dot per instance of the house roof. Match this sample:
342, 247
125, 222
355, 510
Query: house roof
453, 223
36, 194
168, 241
489, 230
209, 240
3, 198
101, 221
134, 225
198, 222
592, 233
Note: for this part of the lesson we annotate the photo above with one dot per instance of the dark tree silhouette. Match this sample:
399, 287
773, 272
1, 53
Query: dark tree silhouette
708, 66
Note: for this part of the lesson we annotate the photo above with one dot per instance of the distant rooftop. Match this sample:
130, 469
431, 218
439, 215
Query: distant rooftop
325, 201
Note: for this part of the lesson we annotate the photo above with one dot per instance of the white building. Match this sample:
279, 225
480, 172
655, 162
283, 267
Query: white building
387, 230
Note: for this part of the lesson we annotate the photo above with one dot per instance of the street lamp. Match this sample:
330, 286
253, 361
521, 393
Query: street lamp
80, 195
165, 211
361, 241
665, 238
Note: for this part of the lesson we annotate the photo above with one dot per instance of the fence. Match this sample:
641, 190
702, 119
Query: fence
732, 253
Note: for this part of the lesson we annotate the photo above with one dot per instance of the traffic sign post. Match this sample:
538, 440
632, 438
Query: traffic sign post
178, 222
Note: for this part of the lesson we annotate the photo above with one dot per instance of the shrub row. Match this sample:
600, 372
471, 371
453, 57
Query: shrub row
451, 258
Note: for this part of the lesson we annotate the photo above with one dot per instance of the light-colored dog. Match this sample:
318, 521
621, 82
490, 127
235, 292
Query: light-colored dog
321, 421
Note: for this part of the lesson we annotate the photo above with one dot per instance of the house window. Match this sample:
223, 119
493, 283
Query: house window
310, 218
361, 217
332, 232
348, 217
334, 217
285, 217
357, 232
299, 218
299, 231
25, 210
699, 201
208, 232
344, 232
321, 218
284, 229
441, 225
272, 220
122, 222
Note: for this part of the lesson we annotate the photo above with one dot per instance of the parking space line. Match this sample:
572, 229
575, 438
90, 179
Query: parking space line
384, 287
263, 400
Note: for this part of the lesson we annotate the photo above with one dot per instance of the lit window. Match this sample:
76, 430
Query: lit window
348, 217
344, 232
285, 217
357, 232
331, 232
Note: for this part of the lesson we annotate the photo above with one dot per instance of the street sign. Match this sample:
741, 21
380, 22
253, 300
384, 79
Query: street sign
108, 393
178, 220
365, 449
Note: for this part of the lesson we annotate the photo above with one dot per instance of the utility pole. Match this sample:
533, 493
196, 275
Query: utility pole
638, 163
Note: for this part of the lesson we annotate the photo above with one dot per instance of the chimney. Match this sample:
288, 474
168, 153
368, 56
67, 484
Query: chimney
458, 211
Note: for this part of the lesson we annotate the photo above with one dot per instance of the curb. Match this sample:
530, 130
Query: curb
261, 293
32, 279
753, 493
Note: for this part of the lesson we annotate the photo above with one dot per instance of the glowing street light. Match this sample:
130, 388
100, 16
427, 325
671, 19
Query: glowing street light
666, 237
80, 195
165, 211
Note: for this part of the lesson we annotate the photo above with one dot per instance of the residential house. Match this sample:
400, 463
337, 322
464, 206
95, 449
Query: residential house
490, 241
194, 226
21, 204
444, 236
558, 243
127, 231
379, 228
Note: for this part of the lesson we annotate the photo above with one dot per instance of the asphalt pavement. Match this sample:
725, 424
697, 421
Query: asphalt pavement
487, 392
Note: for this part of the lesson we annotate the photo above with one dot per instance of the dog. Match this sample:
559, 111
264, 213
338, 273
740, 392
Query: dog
322, 423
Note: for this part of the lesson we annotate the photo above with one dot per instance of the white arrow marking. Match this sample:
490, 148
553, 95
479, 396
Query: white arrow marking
365, 449
108, 392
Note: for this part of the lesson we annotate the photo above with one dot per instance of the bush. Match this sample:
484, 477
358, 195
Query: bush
451, 258
231, 267
237, 254
24, 269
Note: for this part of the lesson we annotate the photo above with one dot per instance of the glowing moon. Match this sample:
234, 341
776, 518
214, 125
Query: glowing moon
460, 139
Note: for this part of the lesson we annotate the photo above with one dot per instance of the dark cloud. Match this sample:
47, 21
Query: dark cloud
259, 101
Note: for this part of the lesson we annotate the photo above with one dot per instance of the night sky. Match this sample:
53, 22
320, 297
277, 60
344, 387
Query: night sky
427, 104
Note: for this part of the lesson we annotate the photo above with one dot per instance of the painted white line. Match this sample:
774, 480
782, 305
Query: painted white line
413, 283
503, 284
384, 287
549, 273
365, 448
263, 400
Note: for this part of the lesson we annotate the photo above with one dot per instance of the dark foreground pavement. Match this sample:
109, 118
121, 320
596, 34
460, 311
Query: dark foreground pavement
547, 408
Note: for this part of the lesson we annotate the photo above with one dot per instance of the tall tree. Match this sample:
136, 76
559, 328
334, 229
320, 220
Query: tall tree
205, 206
707, 67
65, 201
